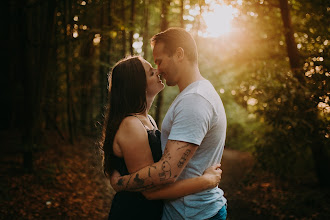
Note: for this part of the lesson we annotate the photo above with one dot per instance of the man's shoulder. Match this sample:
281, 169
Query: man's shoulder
204, 90
199, 96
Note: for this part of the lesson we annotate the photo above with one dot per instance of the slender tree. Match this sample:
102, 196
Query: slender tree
146, 29
106, 25
181, 13
38, 29
122, 27
163, 26
291, 46
131, 27
86, 76
68, 22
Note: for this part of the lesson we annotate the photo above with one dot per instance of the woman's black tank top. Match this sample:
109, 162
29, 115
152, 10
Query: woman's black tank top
133, 205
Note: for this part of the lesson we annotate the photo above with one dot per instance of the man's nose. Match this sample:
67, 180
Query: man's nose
160, 76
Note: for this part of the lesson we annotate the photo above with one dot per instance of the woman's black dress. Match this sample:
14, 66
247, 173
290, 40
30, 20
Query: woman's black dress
133, 205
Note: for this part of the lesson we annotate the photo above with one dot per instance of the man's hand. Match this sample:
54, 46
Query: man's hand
213, 175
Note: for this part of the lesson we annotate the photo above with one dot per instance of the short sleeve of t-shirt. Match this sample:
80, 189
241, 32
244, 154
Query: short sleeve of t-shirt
192, 119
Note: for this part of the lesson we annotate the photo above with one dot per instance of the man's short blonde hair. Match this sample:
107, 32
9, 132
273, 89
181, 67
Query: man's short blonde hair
174, 38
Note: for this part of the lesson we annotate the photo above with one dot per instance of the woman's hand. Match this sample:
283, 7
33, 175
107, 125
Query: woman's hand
213, 175
114, 180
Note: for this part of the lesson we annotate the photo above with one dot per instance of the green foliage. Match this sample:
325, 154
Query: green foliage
294, 121
292, 118
243, 129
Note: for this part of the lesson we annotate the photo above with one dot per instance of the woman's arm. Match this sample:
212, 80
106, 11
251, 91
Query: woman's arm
210, 179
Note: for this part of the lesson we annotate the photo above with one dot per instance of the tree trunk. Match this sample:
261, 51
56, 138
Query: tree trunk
181, 13
123, 29
321, 161
11, 54
146, 30
131, 26
40, 23
68, 66
294, 57
105, 51
164, 14
163, 27
200, 4
86, 77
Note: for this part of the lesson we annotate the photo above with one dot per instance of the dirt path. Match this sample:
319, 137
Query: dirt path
236, 165
67, 183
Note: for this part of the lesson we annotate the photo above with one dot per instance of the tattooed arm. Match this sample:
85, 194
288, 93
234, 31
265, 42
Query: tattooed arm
166, 171
210, 179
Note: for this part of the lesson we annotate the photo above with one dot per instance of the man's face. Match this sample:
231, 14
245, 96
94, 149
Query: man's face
165, 64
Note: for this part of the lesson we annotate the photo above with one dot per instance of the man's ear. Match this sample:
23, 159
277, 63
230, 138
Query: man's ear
179, 53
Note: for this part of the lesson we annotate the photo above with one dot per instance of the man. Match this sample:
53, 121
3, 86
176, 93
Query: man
193, 131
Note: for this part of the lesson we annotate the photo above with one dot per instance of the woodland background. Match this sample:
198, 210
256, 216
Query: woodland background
271, 71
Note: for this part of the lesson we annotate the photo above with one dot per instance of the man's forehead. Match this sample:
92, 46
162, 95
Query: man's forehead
158, 47
157, 52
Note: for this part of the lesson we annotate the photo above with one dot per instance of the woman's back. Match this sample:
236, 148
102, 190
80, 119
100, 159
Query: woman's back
133, 205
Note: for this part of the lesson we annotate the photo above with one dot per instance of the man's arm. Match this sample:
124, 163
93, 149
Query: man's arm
176, 156
210, 179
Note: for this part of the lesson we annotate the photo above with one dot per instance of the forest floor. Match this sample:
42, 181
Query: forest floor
68, 183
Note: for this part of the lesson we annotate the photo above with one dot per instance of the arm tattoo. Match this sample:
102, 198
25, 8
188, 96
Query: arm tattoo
138, 180
130, 176
149, 170
147, 187
166, 154
120, 182
183, 158
166, 168
184, 146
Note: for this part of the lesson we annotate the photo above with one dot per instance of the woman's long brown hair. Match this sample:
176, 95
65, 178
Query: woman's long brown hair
127, 95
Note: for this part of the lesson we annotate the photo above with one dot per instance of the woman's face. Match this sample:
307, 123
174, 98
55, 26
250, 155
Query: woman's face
154, 84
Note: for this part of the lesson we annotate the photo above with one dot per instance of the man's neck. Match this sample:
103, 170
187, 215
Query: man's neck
188, 76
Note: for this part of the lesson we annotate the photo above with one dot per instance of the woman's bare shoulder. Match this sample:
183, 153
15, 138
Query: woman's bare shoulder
130, 131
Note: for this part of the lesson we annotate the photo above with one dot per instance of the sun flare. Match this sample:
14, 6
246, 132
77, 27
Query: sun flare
218, 20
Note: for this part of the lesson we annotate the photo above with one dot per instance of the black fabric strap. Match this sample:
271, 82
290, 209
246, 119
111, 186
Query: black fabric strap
151, 122
140, 121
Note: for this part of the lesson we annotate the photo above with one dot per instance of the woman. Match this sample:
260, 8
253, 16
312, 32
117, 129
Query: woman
132, 141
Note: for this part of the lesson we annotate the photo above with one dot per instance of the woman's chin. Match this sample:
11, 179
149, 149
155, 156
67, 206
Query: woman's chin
161, 89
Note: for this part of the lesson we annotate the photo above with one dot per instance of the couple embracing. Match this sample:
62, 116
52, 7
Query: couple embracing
175, 173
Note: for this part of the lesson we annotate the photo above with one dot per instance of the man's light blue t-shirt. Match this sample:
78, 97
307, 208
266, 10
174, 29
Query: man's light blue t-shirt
196, 116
